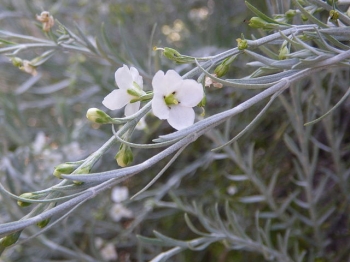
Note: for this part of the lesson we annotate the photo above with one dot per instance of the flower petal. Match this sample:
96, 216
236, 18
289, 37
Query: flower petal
123, 77
159, 108
136, 77
181, 117
166, 84
158, 83
116, 99
173, 81
190, 93
132, 108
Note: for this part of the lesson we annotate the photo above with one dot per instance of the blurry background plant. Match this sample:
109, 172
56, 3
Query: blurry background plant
280, 192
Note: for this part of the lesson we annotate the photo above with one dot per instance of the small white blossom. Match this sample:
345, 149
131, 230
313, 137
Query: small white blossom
118, 211
108, 252
119, 194
231, 190
130, 85
174, 98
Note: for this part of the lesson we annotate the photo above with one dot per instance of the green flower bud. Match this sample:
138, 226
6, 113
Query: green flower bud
16, 61
43, 223
125, 156
9, 239
304, 17
57, 174
221, 70
257, 22
333, 15
242, 43
96, 115
174, 55
290, 13
171, 54
284, 52
28, 196
66, 168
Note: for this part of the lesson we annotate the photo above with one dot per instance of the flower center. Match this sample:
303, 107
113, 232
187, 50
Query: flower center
171, 99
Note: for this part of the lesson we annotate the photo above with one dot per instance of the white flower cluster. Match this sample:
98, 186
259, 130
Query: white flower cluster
118, 211
173, 97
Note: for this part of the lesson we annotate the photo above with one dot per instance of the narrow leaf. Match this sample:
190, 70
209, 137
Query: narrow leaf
252, 199
262, 15
331, 110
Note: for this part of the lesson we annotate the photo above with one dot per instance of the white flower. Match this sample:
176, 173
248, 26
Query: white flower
231, 190
119, 194
174, 98
118, 211
108, 252
130, 85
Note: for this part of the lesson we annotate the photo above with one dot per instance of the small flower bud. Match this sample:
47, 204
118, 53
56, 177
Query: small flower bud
28, 196
16, 61
290, 13
9, 239
96, 115
125, 156
284, 52
221, 70
46, 19
304, 18
43, 223
242, 43
333, 15
174, 55
66, 168
257, 22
